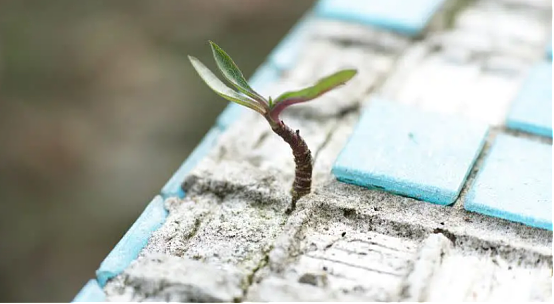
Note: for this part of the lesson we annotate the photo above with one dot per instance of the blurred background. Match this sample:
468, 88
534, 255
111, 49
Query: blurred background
98, 108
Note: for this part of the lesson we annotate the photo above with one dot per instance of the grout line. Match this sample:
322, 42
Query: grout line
477, 165
479, 162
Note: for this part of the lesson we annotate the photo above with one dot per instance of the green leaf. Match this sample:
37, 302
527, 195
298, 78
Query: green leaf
232, 73
323, 85
220, 88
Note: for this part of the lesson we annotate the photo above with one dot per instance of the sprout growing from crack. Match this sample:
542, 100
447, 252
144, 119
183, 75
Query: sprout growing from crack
270, 109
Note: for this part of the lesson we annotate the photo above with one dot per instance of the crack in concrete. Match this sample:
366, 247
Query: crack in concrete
325, 142
192, 233
264, 261
224, 189
340, 117
261, 140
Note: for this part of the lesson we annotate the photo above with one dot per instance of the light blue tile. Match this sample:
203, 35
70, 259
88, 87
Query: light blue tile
532, 108
408, 17
285, 55
133, 241
91, 292
515, 182
173, 187
230, 114
264, 76
410, 152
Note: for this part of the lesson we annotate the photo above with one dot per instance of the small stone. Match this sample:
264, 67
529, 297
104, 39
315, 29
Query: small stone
315, 279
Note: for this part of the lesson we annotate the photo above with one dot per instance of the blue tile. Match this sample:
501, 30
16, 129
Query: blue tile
405, 17
133, 241
91, 292
230, 114
264, 76
532, 108
515, 182
173, 187
410, 152
285, 55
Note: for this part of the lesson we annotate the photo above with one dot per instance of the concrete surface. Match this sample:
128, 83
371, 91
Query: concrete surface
229, 239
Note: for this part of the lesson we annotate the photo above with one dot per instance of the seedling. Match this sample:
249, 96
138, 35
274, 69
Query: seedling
271, 108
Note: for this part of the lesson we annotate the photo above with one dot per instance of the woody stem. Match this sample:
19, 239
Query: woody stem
302, 158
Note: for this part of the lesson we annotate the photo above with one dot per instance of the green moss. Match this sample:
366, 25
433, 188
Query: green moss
453, 11
261, 264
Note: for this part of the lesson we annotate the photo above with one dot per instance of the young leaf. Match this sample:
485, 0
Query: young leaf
220, 88
322, 86
233, 74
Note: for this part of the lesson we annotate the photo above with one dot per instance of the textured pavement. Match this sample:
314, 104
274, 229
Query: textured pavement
226, 236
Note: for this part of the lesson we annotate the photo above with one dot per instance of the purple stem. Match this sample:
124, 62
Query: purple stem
302, 158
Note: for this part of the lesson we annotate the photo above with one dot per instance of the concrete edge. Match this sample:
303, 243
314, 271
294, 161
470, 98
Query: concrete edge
129, 247
91, 292
173, 187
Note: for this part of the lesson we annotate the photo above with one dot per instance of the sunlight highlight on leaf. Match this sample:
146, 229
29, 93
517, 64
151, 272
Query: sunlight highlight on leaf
220, 88
232, 73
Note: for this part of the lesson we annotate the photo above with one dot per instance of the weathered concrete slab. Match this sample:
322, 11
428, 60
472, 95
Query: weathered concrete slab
502, 28
401, 216
456, 83
162, 278
344, 242
281, 290
220, 228
349, 260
